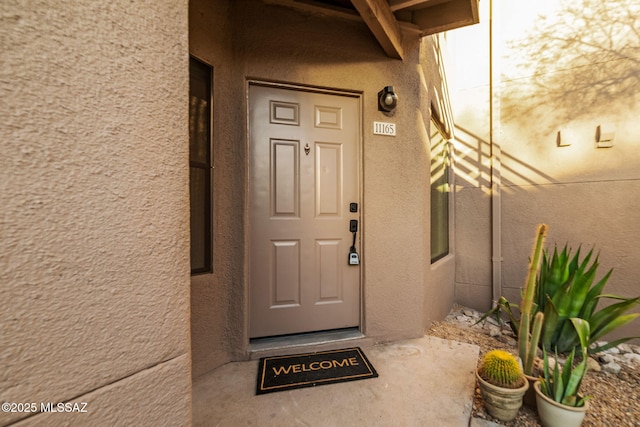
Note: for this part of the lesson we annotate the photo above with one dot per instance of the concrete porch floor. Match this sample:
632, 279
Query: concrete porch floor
423, 382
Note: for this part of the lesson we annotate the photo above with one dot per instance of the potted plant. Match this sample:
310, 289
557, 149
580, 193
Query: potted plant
502, 384
558, 397
529, 327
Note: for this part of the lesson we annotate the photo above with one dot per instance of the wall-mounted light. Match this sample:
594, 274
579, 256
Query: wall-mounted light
604, 136
387, 99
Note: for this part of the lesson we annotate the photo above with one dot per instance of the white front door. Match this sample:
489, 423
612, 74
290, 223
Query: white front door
303, 177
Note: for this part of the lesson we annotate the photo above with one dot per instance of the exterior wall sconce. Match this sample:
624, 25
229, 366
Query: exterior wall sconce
604, 136
387, 99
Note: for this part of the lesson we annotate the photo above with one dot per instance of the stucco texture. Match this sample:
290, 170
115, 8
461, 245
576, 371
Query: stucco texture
306, 48
94, 190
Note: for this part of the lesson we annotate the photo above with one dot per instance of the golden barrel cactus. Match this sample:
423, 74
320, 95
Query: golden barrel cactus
502, 369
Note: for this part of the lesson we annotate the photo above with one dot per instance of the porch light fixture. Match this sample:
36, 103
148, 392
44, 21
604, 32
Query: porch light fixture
387, 99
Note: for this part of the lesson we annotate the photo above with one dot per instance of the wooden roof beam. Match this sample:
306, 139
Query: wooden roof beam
446, 16
383, 24
403, 4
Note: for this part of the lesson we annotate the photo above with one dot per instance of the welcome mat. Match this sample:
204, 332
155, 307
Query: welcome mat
311, 369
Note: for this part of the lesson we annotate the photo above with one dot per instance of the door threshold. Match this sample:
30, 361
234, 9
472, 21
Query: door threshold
308, 342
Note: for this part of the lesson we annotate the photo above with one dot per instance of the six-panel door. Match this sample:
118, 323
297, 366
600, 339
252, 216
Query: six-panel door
303, 173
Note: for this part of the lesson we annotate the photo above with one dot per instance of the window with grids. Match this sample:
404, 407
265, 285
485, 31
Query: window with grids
200, 166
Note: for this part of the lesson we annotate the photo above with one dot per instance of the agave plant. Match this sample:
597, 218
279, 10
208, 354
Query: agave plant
563, 383
504, 308
565, 290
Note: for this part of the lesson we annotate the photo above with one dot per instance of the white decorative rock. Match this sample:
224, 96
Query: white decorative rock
612, 367
607, 358
469, 312
625, 348
613, 350
632, 357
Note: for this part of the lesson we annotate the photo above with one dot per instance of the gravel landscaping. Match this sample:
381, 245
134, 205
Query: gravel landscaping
613, 379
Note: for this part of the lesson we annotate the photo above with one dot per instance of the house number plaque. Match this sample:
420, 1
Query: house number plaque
383, 128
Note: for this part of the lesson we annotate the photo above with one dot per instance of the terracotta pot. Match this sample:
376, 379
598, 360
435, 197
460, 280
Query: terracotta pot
501, 403
529, 398
554, 414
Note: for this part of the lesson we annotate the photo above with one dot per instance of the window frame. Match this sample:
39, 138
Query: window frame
206, 166
446, 137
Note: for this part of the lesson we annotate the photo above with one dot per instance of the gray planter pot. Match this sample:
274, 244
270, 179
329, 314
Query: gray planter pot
554, 414
501, 403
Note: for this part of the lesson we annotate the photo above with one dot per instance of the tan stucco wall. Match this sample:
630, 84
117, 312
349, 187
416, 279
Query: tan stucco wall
468, 76
94, 301
217, 299
274, 43
439, 277
586, 195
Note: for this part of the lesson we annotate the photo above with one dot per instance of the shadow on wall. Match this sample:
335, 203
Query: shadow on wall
583, 60
473, 165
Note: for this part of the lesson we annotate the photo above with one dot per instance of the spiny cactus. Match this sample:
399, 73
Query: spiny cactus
501, 368
528, 337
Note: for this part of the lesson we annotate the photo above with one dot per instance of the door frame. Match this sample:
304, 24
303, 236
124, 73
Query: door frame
358, 95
